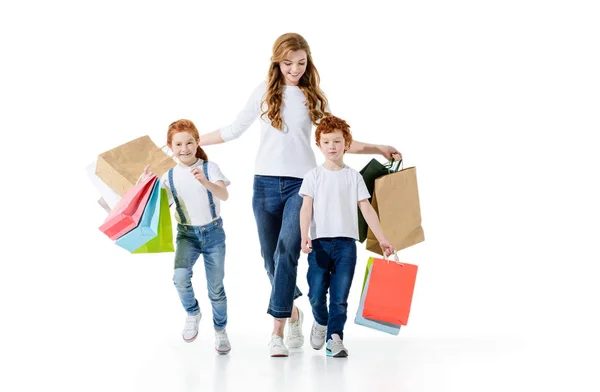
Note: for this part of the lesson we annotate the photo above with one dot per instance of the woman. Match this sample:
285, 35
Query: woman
288, 104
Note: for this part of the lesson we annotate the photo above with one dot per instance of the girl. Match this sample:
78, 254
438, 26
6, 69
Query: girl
196, 186
288, 104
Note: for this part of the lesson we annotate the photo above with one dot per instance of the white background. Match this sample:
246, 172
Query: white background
495, 103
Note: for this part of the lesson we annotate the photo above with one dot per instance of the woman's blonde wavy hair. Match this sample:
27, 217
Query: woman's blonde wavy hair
309, 82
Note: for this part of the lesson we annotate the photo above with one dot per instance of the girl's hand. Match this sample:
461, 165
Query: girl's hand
390, 152
147, 173
386, 247
199, 175
306, 245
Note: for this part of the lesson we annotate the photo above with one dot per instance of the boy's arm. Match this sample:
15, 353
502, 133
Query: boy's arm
305, 217
373, 221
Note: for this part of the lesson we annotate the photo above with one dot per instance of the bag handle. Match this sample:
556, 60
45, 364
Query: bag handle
396, 260
392, 162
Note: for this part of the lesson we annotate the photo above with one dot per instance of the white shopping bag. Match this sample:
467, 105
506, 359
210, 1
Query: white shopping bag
108, 196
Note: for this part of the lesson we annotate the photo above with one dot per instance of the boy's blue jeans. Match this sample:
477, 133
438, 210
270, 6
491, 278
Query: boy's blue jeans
276, 206
331, 267
208, 241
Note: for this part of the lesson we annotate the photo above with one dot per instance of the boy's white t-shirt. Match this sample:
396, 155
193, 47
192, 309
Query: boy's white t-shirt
192, 195
335, 197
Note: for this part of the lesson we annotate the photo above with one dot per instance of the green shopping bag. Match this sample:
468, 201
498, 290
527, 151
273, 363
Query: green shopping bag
163, 242
372, 171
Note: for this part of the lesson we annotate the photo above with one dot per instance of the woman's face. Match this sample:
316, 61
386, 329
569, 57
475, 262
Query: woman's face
293, 67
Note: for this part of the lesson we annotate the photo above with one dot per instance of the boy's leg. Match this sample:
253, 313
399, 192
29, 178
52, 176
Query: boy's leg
343, 253
318, 278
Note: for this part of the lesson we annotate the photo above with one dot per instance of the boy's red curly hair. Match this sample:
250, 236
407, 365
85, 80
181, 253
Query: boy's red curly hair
331, 123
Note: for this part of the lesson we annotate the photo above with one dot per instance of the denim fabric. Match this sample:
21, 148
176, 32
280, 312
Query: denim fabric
276, 206
208, 241
331, 267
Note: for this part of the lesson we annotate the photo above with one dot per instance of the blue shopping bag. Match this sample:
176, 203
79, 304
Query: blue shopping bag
393, 329
147, 229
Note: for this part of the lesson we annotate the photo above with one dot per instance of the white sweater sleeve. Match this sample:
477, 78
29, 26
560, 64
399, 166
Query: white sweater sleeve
247, 116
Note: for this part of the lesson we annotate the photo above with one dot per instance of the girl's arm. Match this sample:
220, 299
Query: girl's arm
305, 217
388, 152
219, 189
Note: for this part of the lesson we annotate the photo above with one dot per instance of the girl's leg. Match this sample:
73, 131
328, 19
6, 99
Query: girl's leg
214, 265
186, 254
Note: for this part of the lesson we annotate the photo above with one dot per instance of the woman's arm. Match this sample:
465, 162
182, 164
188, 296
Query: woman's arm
243, 121
388, 152
213, 137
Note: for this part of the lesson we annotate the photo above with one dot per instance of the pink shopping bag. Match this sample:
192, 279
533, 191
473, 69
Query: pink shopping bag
127, 213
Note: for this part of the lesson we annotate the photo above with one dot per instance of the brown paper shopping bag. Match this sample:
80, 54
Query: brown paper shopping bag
121, 167
396, 200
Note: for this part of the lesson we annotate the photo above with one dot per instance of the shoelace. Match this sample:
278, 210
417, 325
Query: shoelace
295, 331
319, 333
277, 342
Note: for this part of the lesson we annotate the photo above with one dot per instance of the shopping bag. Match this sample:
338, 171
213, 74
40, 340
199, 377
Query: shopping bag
372, 171
110, 198
121, 167
127, 213
163, 242
390, 328
396, 201
390, 292
147, 229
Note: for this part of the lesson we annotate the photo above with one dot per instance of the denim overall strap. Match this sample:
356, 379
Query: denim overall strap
174, 192
213, 211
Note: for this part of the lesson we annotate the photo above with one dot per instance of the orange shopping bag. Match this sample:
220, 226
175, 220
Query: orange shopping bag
390, 291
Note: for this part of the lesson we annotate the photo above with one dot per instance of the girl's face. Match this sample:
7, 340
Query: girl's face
184, 146
293, 67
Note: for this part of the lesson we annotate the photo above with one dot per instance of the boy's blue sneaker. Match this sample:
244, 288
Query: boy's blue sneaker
335, 347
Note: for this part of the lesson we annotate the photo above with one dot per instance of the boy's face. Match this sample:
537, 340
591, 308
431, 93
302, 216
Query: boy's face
184, 147
333, 145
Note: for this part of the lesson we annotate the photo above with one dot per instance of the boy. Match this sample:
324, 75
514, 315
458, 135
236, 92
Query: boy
331, 192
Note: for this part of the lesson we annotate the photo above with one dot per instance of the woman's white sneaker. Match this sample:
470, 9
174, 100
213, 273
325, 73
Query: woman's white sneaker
294, 337
277, 347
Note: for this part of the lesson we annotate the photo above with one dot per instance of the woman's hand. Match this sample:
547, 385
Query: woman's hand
390, 152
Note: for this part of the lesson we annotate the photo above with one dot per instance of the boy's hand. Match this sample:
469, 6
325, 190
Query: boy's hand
306, 245
199, 175
386, 247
